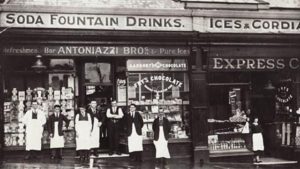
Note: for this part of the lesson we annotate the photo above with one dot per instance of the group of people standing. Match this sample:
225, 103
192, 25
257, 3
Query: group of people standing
88, 122
34, 120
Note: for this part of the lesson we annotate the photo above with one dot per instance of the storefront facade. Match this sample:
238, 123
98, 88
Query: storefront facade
199, 65
249, 61
70, 58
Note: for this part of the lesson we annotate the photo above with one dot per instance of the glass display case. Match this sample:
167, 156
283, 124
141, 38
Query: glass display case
229, 130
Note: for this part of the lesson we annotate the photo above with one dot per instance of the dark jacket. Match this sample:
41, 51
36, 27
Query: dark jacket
166, 126
97, 115
52, 119
138, 122
256, 128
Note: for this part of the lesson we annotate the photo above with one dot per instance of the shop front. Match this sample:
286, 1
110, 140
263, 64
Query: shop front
249, 82
77, 63
247, 66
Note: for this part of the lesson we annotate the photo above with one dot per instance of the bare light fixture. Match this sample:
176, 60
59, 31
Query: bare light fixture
269, 86
38, 65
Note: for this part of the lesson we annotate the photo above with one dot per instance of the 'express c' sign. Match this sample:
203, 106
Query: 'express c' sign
253, 64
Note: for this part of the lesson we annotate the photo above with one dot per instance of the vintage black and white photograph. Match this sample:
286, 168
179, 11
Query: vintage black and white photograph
149, 84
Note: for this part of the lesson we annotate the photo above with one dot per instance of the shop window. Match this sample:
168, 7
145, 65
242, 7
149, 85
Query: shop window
153, 85
55, 85
229, 109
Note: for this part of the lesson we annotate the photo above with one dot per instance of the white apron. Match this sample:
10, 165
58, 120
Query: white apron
161, 145
34, 130
83, 129
56, 141
258, 142
95, 135
34, 133
135, 141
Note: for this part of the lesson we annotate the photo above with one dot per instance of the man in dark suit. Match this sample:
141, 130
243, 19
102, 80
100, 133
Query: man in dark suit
135, 124
55, 129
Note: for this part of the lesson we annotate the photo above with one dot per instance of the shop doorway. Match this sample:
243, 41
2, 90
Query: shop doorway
98, 86
264, 108
273, 108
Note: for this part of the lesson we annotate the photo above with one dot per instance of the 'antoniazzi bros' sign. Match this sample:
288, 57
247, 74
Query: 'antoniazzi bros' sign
84, 21
94, 50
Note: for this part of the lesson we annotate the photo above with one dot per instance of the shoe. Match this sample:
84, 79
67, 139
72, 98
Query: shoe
110, 153
119, 153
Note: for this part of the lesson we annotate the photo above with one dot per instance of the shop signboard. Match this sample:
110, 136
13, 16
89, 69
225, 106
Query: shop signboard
95, 22
253, 63
246, 25
94, 50
157, 65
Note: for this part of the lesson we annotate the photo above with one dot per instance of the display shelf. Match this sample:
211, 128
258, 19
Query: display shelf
212, 121
162, 104
228, 133
13, 148
226, 153
98, 84
14, 132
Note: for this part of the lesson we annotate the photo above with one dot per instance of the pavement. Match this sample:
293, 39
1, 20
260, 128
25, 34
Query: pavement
124, 163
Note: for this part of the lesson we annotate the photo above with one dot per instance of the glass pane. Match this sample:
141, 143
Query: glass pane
133, 88
61, 64
97, 73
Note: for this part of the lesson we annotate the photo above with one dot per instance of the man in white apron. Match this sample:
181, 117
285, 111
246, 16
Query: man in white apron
161, 128
83, 128
55, 125
114, 114
135, 139
97, 120
34, 120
